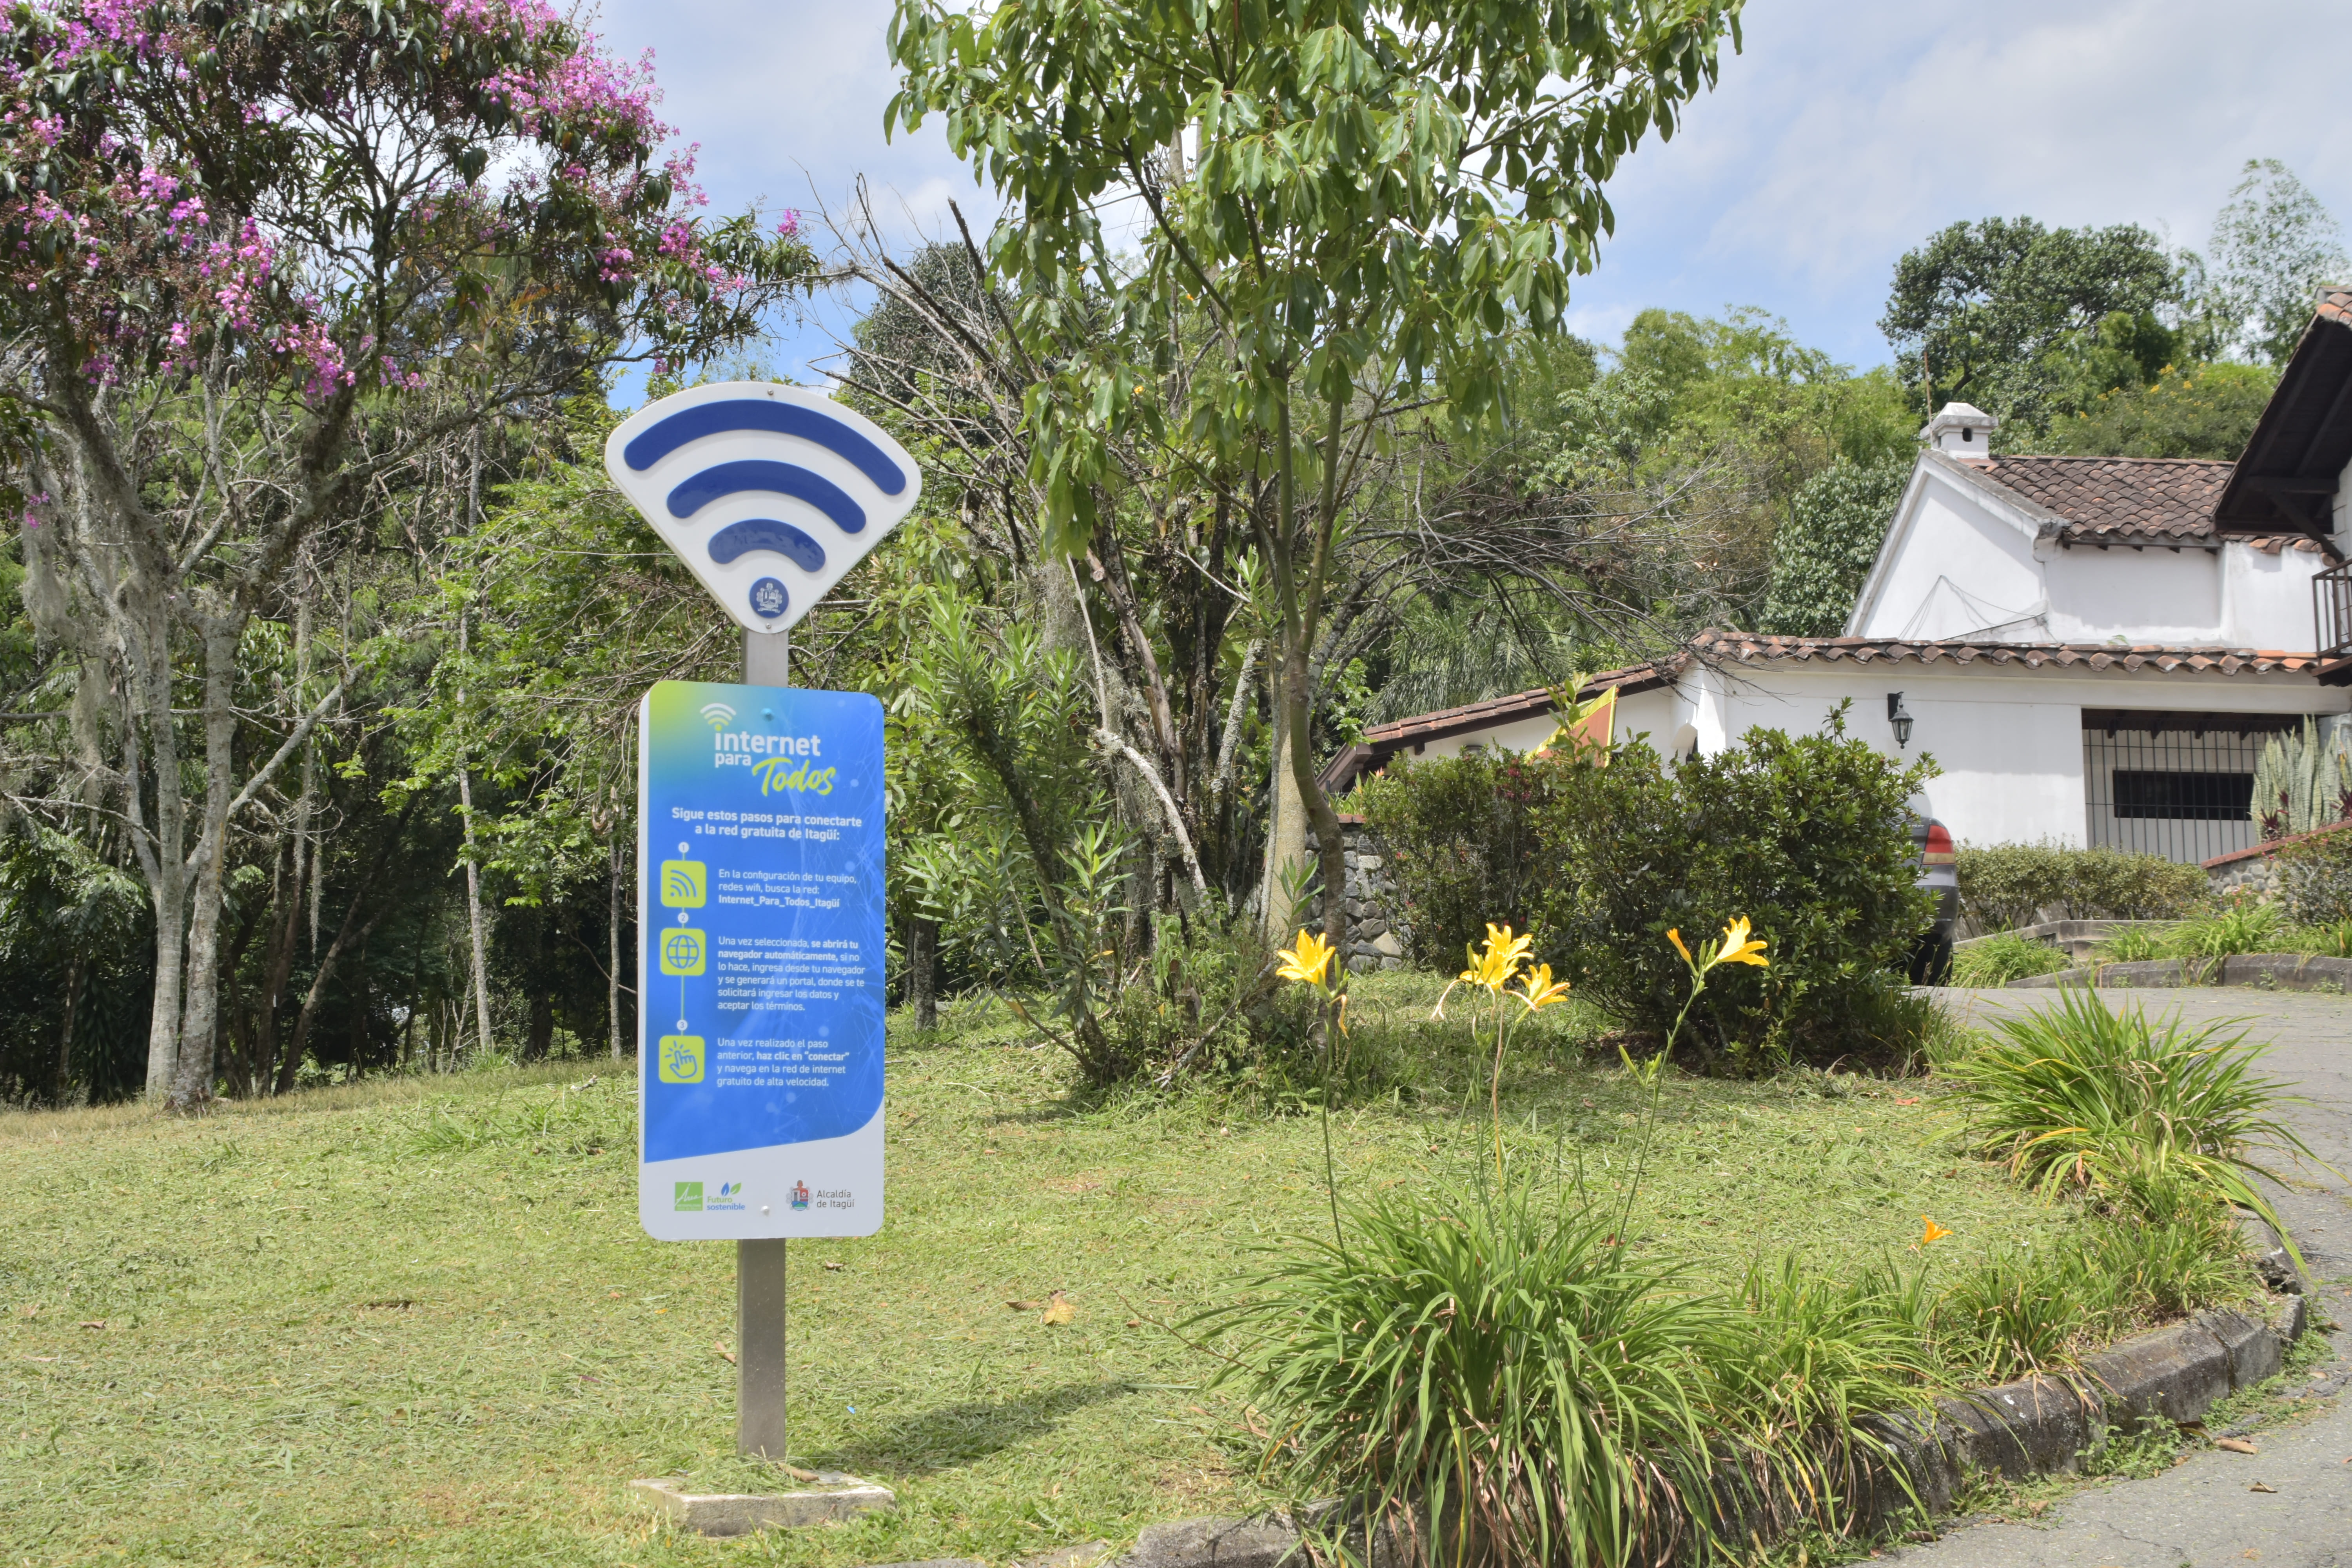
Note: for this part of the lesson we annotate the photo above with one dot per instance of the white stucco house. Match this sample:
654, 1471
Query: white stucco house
2094, 650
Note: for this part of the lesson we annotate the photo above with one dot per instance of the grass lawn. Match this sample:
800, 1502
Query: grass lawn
416, 1321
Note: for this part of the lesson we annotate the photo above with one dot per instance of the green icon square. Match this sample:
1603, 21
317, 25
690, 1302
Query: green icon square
681, 1058
684, 884
689, 1198
681, 950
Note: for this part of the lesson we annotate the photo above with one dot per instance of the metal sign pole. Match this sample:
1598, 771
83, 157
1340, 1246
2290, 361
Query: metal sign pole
759, 1265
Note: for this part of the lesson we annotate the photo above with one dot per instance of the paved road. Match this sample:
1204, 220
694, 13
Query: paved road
2204, 1513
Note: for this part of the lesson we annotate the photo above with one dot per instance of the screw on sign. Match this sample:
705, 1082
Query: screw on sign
760, 847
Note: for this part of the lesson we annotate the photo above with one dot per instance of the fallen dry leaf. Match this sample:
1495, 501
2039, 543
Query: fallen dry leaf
1135, 1322
2259, 1487
797, 1473
2236, 1445
1024, 1306
1913, 1100
833, 1267
721, 1348
93, 1323
1060, 1310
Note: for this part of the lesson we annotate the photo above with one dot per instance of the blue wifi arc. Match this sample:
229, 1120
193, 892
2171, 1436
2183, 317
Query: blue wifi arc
766, 475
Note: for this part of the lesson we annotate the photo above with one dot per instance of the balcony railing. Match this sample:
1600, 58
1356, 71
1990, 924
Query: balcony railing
2332, 609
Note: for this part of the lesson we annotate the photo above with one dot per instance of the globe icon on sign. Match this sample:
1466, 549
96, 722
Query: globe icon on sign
681, 950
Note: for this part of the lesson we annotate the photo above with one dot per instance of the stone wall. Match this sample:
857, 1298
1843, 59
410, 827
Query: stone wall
1373, 939
2255, 877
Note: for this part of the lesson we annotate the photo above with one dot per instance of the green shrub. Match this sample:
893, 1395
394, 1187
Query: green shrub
1806, 837
1206, 1003
2002, 957
1462, 845
2314, 878
2072, 1096
2004, 886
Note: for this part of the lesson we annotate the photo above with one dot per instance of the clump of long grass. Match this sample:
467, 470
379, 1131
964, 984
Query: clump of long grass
2327, 938
2135, 944
2243, 926
2025, 1309
2074, 1097
2002, 957
1488, 1379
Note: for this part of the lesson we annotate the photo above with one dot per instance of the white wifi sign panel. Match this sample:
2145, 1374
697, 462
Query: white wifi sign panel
769, 493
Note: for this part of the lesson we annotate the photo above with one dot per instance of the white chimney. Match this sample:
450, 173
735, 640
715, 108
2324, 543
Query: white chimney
1962, 431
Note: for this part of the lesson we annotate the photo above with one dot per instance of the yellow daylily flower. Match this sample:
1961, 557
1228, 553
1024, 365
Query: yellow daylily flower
1311, 960
1504, 953
1674, 935
1538, 989
1737, 949
1935, 1232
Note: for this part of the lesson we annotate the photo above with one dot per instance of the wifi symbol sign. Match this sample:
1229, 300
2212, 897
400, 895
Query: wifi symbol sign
769, 493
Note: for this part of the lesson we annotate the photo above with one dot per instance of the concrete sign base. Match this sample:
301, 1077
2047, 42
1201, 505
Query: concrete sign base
833, 1498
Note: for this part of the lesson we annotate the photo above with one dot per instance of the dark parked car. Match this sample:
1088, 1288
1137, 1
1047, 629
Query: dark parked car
1931, 957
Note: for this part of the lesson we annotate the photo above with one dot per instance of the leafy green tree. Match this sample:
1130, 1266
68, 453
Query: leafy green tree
1824, 552
2203, 411
2274, 244
1356, 206
1990, 312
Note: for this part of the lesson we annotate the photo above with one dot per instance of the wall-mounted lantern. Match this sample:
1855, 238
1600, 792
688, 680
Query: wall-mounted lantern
1896, 716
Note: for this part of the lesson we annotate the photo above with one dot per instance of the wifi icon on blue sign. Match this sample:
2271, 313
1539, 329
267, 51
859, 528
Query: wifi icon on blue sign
769, 493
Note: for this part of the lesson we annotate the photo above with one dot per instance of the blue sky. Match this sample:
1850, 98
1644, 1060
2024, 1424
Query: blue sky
1842, 135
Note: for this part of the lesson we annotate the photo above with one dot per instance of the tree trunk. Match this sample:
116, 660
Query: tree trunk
923, 970
1317, 811
1285, 835
474, 906
466, 777
167, 880
192, 1080
539, 1038
65, 1035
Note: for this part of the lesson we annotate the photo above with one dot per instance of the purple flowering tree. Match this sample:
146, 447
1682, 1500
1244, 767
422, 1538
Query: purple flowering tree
255, 259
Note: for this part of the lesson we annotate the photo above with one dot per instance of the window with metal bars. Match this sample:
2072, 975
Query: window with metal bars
2179, 784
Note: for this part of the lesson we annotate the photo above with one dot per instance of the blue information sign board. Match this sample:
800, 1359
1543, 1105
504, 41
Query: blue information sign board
760, 963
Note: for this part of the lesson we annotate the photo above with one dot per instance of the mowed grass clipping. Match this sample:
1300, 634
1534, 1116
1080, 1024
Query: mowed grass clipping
416, 1323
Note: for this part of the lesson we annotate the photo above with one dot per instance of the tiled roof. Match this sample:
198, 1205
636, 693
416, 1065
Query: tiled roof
2117, 500
1383, 741
1745, 648
1497, 710
2335, 305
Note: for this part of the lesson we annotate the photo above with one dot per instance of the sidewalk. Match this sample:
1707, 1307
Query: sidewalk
2205, 1513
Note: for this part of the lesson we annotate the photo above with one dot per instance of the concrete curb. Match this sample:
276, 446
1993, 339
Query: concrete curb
2036, 1425
2278, 971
